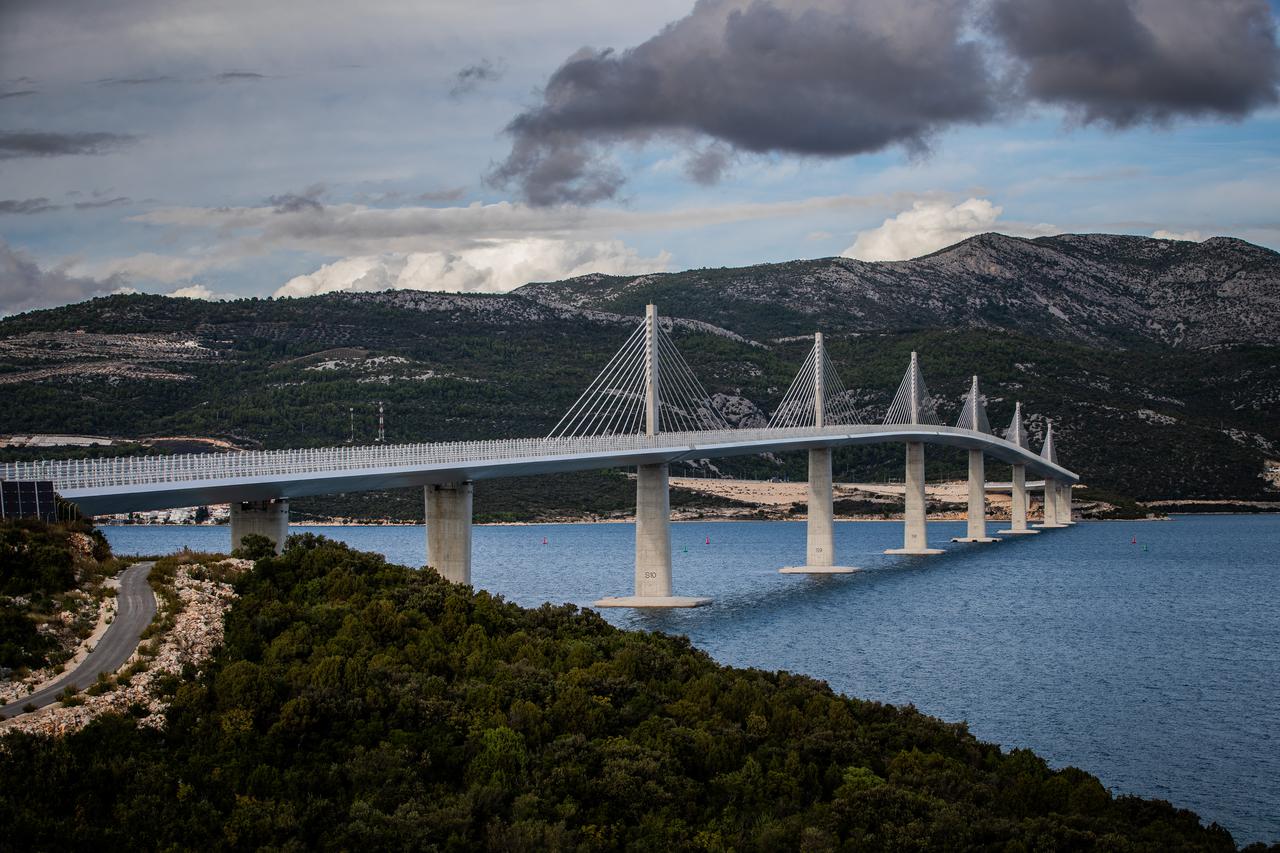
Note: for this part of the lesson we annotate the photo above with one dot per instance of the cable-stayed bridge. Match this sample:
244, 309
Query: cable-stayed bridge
646, 409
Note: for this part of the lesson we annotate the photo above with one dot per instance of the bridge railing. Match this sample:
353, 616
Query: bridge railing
75, 474
96, 475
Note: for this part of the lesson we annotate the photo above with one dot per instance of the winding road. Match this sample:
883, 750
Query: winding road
136, 606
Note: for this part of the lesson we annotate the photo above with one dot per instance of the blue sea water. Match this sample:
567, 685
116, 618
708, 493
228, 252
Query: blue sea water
1155, 665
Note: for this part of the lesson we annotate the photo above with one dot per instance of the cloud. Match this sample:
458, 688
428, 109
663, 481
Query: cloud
26, 205
23, 93
308, 199
136, 81
199, 291
1190, 236
833, 78
497, 267
341, 230
816, 77
31, 143
708, 166
932, 225
234, 76
446, 194
468, 79
101, 202
1126, 62
148, 266
25, 286
436, 195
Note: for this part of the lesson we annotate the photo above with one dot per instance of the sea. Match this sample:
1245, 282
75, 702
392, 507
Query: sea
1146, 653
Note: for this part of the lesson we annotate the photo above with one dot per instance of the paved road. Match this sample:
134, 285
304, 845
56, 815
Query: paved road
136, 606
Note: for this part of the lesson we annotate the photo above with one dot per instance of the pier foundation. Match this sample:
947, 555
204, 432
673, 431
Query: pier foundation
1051, 502
820, 548
653, 546
1064, 504
448, 507
977, 517
915, 540
1018, 505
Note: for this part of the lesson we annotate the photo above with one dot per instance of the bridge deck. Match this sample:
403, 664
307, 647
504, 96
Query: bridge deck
139, 483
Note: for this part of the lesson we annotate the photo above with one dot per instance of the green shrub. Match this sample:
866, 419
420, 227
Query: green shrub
255, 547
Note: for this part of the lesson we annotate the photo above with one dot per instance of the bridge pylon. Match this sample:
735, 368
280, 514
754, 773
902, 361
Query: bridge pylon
807, 403
1052, 488
973, 415
912, 405
1017, 434
690, 408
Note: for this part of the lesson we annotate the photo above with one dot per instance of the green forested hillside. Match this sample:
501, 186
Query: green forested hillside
360, 705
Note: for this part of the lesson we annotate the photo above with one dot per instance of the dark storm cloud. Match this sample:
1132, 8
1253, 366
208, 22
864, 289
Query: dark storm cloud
26, 205
707, 166
832, 78
24, 285
823, 77
1125, 62
469, 78
31, 143
19, 94
308, 199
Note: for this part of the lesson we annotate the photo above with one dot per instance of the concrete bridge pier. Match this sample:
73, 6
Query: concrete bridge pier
653, 546
1018, 504
269, 518
448, 507
1064, 504
915, 540
820, 551
977, 517
1051, 502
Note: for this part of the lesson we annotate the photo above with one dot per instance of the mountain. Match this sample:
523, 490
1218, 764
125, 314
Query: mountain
1155, 359
1087, 288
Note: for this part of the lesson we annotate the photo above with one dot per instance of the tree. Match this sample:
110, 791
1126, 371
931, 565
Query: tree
255, 546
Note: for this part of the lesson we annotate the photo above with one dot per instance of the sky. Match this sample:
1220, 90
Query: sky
241, 148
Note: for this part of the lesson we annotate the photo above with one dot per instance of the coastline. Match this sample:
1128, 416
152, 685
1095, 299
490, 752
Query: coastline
796, 519
767, 500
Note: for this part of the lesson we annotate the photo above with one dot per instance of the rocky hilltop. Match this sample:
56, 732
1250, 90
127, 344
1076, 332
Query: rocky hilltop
1090, 288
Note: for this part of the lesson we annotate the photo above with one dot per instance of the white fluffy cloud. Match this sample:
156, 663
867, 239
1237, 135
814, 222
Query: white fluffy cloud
1192, 236
492, 268
199, 291
932, 225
